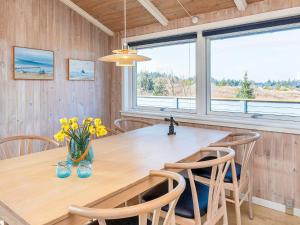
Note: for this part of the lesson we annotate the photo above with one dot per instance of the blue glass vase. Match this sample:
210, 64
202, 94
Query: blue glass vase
63, 169
84, 169
76, 151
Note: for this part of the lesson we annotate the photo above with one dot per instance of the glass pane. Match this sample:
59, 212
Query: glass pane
258, 73
169, 79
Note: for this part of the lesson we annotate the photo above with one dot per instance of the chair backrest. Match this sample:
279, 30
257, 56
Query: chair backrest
216, 195
24, 144
124, 125
243, 143
144, 210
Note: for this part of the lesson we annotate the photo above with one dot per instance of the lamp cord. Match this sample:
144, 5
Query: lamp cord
125, 25
184, 8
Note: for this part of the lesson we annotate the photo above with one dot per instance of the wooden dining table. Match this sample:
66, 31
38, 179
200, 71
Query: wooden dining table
30, 192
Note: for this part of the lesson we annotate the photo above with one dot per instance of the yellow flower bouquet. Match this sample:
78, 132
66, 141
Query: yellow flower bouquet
78, 137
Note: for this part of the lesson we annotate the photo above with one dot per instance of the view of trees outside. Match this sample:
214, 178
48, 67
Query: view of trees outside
259, 67
262, 68
163, 84
171, 72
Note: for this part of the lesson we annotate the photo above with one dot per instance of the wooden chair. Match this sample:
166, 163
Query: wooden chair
199, 199
239, 177
21, 145
138, 214
124, 125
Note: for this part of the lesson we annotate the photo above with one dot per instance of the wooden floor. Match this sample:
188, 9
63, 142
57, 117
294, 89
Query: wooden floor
262, 216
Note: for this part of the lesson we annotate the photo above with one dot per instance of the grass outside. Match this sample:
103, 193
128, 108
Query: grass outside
228, 92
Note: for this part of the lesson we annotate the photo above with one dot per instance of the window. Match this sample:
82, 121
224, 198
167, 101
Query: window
256, 73
168, 81
246, 74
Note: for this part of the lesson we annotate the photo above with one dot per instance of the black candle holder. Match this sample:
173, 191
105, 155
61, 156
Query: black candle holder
171, 126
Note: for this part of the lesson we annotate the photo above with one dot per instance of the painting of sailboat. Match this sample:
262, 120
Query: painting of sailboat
33, 64
81, 69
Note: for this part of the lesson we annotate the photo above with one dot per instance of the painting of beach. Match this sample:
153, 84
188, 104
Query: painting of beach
33, 64
81, 69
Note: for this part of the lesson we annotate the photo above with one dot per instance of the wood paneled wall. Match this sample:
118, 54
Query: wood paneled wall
277, 157
34, 107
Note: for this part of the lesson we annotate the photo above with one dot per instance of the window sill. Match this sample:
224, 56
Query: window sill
290, 127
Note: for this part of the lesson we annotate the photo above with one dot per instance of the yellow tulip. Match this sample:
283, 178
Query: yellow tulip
98, 121
60, 136
101, 131
84, 122
92, 130
74, 126
99, 126
65, 127
74, 120
87, 121
63, 121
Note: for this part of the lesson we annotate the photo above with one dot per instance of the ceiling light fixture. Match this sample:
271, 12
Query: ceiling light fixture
194, 19
124, 56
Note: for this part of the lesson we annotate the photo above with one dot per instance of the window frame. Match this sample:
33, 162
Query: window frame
133, 74
208, 75
203, 115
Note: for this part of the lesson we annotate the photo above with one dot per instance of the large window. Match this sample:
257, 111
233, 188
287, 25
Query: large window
168, 81
248, 73
257, 73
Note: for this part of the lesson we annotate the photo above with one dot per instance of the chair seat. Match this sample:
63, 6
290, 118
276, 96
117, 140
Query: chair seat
126, 221
184, 207
206, 172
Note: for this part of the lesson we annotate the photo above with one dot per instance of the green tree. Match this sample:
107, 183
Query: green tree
160, 87
246, 91
172, 81
222, 83
186, 86
145, 82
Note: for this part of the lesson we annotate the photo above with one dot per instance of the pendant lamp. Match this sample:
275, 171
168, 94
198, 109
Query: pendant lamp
124, 56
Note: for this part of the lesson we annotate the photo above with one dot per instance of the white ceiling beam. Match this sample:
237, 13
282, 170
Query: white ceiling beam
241, 4
154, 11
87, 16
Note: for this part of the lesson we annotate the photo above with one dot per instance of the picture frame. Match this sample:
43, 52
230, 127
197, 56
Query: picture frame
33, 64
81, 70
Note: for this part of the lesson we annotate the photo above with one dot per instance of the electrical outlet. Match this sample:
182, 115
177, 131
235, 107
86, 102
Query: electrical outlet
289, 206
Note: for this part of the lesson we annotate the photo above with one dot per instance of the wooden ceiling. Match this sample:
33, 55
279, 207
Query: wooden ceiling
110, 12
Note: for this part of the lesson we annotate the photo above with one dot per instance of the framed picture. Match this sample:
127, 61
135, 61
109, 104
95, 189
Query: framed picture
81, 69
33, 64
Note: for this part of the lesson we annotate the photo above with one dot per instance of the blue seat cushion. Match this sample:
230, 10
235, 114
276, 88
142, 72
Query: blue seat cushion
126, 221
206, 172
184, 207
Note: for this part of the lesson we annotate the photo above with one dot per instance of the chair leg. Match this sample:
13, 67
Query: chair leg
225, 216
250, 190
225, 219
237, 206
250, 212
236, 194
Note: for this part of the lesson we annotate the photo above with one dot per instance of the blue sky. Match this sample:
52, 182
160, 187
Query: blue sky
274, 56
177, 59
